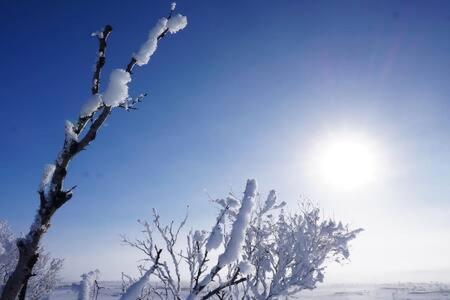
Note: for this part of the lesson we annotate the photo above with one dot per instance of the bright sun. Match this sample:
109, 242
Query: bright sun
347, 161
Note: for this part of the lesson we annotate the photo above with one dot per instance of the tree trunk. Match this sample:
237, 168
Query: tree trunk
23, 291
28, 256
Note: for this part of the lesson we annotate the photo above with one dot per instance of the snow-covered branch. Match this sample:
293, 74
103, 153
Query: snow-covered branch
234, 246
136, 290
99, 106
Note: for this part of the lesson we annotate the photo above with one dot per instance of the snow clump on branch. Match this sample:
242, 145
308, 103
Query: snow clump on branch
199, 236
47, 176
91, 106
176, 23
71, 136
149, 47
173, 25
233, 249
117, 91
215, 238
245, 267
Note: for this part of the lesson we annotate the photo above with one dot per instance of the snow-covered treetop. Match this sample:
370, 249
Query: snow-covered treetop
173, 24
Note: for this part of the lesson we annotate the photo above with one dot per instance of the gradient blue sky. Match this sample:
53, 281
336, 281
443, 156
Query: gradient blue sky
244, 91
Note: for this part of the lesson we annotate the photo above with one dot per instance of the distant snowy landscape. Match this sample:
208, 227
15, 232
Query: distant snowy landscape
401, 291
282, 139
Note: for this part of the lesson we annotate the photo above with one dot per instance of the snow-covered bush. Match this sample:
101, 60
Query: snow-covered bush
78, 136
88, 287
263, 252
45, 272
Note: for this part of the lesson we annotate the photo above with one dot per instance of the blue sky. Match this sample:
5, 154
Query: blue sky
244, 91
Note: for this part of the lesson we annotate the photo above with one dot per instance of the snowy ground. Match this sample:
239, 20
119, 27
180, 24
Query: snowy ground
410, 291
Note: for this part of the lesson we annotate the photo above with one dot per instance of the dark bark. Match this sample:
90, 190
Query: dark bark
101, 59
200, 267
23, 291
232, 282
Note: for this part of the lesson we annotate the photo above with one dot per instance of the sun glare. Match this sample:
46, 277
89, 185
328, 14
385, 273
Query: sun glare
347, 161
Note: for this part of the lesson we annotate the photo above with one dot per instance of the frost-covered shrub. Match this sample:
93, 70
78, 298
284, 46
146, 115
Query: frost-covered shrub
45, 272
263, 252
88, 287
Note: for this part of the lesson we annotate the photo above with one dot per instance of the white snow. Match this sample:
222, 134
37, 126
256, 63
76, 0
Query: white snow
232, 202
173, 25
234, 246
2, 249
47, 177
149, 47
176, 23
71, 136
245, 267
199, 236
215, 238
117, 91
98, 34
134, 291
350, 291
91, 105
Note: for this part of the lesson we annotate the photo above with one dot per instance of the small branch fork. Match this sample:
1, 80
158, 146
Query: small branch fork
201, 267
131, 103
231, 282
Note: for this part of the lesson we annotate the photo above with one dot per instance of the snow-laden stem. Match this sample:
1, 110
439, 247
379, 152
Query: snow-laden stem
135, 290
233, 248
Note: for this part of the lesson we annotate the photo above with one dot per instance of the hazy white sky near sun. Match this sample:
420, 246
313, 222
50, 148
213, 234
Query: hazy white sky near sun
344, 104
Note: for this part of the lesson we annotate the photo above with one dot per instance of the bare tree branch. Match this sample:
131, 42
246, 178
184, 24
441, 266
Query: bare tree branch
101, 59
